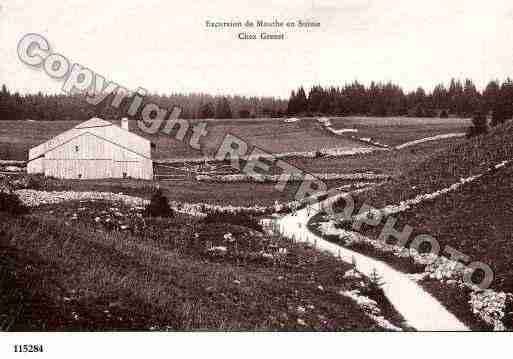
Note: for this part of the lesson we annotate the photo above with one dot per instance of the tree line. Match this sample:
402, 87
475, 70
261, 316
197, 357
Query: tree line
460, 98
43, 107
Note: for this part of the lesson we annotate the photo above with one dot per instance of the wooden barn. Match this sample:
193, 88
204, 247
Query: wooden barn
91, 150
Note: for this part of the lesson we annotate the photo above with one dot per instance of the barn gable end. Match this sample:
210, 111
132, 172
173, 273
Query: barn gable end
93, 149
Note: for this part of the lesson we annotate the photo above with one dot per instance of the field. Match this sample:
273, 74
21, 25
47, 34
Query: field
391, 163
462, 218
473, 216
188, 190
393, 131
179, 181
70, 267
273, 135
185, 273
185, 188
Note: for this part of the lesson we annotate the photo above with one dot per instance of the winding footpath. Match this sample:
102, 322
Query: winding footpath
419, 308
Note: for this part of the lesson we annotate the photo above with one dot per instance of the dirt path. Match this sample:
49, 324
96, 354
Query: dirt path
433, 138
420, 310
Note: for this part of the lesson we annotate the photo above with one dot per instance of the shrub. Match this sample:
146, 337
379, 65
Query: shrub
158, 206
8, 296
499, 115
36, 182
479, 125
508, 317
374, 284
354, 265
244, 114
444, 114
10, 203
318, 154
237, 218
419, 111
429, 112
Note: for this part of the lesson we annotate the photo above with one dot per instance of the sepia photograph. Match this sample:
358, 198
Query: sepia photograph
254, 173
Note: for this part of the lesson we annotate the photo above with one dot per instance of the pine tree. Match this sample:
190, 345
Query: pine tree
5, 99
456, 97
302, 101
491, 95
440, 97
223, 109
479, 124
158, 206
375, 282
206, 111
292, 105
315, 97
354, 265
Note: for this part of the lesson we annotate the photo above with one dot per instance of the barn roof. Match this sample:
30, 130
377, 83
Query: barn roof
99, 128
94, 122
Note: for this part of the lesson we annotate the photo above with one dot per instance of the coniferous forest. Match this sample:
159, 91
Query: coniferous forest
458, 98
461, 99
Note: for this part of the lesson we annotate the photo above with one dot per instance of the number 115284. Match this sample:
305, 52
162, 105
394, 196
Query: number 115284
28, 348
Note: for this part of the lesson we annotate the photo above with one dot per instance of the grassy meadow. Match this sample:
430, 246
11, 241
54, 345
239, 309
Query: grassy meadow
187, 189
65, 267
475, 219
272, 135
101, 266
393, 131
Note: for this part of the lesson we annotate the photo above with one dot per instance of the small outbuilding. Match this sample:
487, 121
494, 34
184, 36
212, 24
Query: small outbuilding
94, 149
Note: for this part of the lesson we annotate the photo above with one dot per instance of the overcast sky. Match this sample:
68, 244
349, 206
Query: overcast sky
165, 47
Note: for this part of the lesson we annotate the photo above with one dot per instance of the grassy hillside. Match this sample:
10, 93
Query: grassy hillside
393, 131
476, 218
273, 135
392, 163
461, 159
65, 268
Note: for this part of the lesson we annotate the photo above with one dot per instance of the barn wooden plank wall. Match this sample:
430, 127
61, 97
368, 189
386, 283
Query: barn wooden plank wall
94, 149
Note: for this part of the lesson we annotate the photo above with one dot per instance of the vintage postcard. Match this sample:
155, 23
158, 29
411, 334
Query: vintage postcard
254, 167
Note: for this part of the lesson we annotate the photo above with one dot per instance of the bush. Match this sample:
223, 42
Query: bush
374, 284
240, 219
10, 203
159, 206
419, 111
429, 112
499, 115
508, 318
479, 125
244, 114
318, 154
444, 114
36, 182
